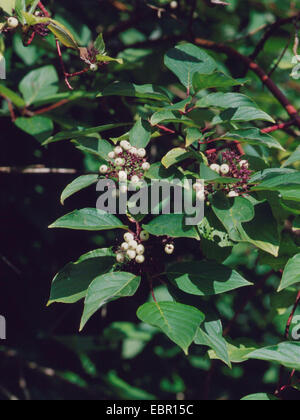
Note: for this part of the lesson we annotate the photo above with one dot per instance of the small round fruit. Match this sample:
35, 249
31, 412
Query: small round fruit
135, 179
144, 236
125, 246
118, 150
128, 237
140, 259
244, 164
198, 187
224, 169
119, 162
233, 194
120, 258
111, 155
174, 4
131, 254
133, 245
103, 169
125, 145
169, 249
122, 176
141, 153
94, 67
12, 22
140, 250
133, 151
146, 166
215, 167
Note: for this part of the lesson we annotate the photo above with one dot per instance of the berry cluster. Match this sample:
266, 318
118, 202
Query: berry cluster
133, 249
232, 166
127, 164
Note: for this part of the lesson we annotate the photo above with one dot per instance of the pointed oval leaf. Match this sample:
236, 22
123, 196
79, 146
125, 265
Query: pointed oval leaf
179, 322
77, 185
205, 278
291, 274
107, 288
88, 219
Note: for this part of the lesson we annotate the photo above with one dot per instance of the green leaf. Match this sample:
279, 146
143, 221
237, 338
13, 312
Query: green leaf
77, 185
158, 171
172, 225
226, 101
8, 6
137, 91
71, 283
212, 336
288, 185
39, 84
245, 223
107, 288
106, 59
38, 127
260, 397
205, 278
20, 7
294, 158
70, 135
286, 354
168, 116
255, 137
88, 219
179, 322
95, 146
214, 80
140, 134
242, 114
12, 96
186, 60
291, 274
100, 44
175, 156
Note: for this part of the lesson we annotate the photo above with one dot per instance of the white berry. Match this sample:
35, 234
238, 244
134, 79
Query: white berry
144, 236
131, 254
111, 155
133, 151
103, 169
125, 145
119, 162
233, 194
146, 166
225, 169
215, 167
173, 4
125, 246
128, 237
141, 153
133, 245
12, 22
244, 164
140, 259
120, 258
169, 249
198, 187
94, 67
140, 250
122, 176
118, 150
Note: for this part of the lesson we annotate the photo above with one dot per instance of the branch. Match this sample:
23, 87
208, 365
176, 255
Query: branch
37, 169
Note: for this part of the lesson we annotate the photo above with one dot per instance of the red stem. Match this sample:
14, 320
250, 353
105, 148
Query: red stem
43, 9
63, 65
168, 130
51, 108
279, 126
30, 40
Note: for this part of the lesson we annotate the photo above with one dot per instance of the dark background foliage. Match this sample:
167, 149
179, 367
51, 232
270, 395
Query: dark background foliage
113, 360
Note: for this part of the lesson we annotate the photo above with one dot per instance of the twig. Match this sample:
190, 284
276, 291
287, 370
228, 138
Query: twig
8, 394
38, 169
276, 127
63, 65
10, 107
43, 9
10, 265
